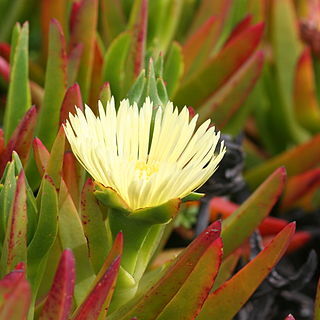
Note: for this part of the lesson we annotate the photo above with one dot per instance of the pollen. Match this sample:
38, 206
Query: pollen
146, 170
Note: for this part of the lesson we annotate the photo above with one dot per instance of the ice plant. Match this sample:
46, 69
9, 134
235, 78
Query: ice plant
146, 161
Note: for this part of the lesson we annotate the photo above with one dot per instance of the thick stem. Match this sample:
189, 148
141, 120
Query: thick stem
134, 234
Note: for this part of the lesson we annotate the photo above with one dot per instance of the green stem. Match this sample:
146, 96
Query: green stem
134, 234
141, 238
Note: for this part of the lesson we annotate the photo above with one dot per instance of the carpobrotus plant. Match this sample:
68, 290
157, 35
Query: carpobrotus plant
85, 244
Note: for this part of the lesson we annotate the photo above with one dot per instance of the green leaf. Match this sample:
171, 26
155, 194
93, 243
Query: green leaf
112, 19
105, 94
114, 70
224, 103
226, 270
58, 303
234, 293
306, 105
94, 227
14, 250
32, 211
55, 86
84, 18
285, 36
200, 44
55, 162
152, 302
164, 16
98, 300
296, 160
6, 197
71, 99
250, 214
48, 10
193, 196
208, 8
151, 88
41, 155
72, 176
135, 94
72, 237
46, 231
185, 306
18, 100
96, 76
138, 26
218, 69
21, 139
173, 68
74, 59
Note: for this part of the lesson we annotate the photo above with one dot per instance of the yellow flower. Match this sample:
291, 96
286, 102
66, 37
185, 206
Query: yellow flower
146, 162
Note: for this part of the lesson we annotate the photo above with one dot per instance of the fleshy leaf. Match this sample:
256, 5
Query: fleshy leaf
84, 18
284, 35
72, 237
74, 59
95, 303
173, 69
21, 139
200, 282
96, 76
15, 295
250, 214
138, 26
112, 19
46, 230
71, 100
208, 8
305, 100
59, 300
72, 176
19, 99
94, 227
54, 165
225, 102
41, 155
299, 186
151, 303
55, 86
49, 10
219, 68
227, 267
233, 294
105, 94
296, 160
7, 196
15, 246
163, 21
114, 65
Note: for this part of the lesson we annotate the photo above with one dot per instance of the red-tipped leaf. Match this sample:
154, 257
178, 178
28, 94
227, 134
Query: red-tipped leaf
15, 245
220, 68
59, 300
71, 100
21, 139
234, 293
94, 304
150, 304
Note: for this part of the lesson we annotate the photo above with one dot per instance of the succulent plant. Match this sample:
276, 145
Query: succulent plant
76, 248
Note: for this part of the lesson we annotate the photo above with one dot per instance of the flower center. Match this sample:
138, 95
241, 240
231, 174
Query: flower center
146, 170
